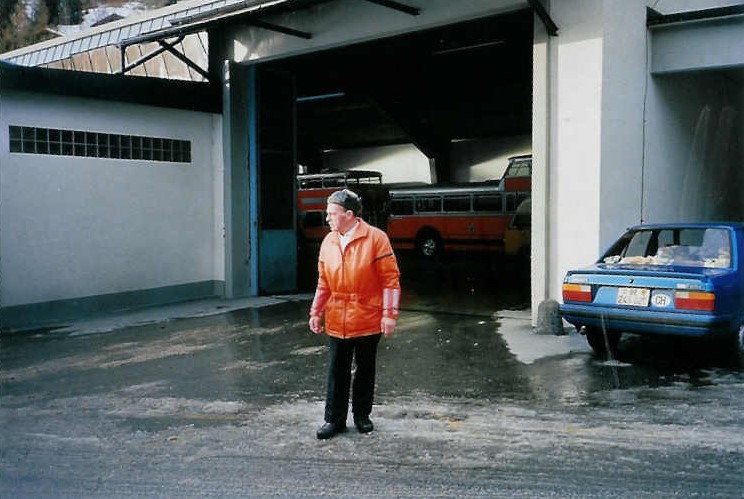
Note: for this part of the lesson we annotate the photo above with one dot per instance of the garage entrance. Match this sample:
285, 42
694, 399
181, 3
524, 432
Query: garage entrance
695, 127
695, 168
444, 105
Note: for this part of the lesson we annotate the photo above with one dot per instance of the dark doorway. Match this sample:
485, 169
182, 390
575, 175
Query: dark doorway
470, 81
275, 146
464, 81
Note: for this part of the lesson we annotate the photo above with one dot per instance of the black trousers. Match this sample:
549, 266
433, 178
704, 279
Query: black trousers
343, 351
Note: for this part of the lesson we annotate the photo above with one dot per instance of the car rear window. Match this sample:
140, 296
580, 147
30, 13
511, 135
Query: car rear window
694, 247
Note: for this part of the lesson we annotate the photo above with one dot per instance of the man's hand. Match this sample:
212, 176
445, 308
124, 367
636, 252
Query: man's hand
316, 324
388, 326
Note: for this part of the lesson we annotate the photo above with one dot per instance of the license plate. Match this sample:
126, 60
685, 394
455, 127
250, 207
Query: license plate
635, 297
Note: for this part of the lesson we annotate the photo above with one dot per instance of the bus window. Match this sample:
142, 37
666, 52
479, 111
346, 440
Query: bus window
511, 201
401, 206
457, 203
428, 204
521, 197
518, 175
519, 169
487, 202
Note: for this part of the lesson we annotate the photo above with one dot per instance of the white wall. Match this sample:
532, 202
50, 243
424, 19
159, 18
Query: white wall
75, 227
485, 159
398, 163
575, 122
674, 6
695, 122
695, 158
471, 160
709, 45
624, 76
333, 24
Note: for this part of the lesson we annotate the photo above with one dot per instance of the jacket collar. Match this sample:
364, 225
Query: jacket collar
361, 231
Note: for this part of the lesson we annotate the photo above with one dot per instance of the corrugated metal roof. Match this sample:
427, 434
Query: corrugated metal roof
202, 21
117, 32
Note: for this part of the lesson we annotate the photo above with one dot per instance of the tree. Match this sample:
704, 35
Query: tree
70, 11
21, 30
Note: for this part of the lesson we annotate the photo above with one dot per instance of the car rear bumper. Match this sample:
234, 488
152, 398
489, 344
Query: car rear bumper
645, 322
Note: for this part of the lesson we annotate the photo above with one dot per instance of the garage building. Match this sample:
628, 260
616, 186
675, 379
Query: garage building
632, 111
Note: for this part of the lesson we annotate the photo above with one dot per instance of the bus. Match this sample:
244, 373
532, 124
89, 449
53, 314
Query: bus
313, 190
518, 236
518, 174
433, 218
335, 180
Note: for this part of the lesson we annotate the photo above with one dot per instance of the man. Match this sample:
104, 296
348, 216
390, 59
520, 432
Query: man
358, 292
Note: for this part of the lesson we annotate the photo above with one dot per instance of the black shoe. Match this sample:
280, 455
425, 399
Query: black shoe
363, 424
330, 429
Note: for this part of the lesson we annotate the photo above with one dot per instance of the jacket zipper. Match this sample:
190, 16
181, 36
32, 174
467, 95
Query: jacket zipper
343, 279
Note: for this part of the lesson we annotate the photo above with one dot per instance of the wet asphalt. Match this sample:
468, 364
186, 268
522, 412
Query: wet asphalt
469, 403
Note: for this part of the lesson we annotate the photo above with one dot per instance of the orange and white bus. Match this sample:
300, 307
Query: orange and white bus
518, 174
313, 191
433, 218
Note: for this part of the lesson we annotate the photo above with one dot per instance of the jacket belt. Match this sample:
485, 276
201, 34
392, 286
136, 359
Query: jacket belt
346, 296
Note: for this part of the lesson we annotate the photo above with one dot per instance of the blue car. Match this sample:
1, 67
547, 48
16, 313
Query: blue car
663, 279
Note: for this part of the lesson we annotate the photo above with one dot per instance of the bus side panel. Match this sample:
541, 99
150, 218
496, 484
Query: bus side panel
312, 199
495, 227
518, 184
403, 230
461, 228
483, 232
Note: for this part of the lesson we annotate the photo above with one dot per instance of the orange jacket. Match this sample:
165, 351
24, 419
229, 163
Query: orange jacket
358, 286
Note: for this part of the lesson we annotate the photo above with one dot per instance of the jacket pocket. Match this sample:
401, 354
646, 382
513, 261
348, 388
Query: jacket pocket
365, 317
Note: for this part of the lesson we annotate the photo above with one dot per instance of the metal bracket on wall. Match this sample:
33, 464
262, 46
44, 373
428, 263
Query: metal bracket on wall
391, 4
542, 13
164, 46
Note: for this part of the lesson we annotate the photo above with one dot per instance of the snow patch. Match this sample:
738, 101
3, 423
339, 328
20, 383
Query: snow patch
96, 14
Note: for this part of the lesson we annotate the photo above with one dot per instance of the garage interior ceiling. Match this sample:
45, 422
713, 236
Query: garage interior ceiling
464, 81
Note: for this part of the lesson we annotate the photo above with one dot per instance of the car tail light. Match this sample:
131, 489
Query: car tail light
695, 300
577, 292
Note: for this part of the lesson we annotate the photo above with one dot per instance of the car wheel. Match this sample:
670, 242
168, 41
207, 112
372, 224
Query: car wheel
603, 342
740, 339
428, 244
738, 346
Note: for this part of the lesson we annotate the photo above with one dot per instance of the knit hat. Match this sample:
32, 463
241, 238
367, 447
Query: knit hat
347, 199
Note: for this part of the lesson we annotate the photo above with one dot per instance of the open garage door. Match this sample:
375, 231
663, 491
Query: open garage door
272, 135
695, 147
445, 105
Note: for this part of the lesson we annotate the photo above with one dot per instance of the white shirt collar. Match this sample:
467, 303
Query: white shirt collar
346, 237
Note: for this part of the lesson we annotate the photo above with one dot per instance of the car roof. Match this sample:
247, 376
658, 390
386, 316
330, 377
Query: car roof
691, 225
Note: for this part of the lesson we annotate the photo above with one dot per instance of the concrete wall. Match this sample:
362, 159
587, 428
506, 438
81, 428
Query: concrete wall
673, 6
695, 160
335, 24
76, 227
486, 159
575, 148
695, 124
387, 160
471, 160
712, 44
624, 76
